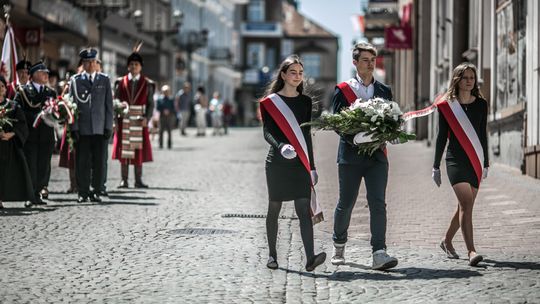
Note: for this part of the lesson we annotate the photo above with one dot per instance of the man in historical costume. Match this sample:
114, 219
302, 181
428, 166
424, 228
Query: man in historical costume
352, 167
40, 144
92, 93
15, 180
23, 68
131, 143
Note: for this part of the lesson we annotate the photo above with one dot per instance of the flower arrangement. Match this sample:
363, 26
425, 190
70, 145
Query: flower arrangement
379, 118
121, 108
5, 120
56, 112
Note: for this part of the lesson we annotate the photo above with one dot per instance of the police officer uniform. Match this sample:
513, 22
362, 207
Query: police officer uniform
12, 89
39, 147
93, 95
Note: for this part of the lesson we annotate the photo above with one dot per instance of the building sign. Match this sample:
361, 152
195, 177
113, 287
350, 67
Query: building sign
61, 13
397, 37
261, 29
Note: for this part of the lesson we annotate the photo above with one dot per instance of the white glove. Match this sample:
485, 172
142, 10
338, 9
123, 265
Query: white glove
362, 138
436, 175
288, 151
395, 141
314, 177
485, 173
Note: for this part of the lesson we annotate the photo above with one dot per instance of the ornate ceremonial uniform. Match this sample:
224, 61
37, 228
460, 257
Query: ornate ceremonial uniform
39, 146
131, 143
93, 95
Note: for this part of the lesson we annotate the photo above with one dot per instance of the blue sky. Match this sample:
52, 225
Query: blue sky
337, 19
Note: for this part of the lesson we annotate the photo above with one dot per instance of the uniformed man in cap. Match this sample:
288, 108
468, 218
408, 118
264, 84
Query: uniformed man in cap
131, 143
92, 93
22, 67
39, 147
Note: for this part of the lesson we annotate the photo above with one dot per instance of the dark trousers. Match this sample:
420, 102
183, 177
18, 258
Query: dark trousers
38, 155
105, 168
375, 174
166, 124
89, 164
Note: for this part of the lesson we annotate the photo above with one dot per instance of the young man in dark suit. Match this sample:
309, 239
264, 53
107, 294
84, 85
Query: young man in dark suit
353, 167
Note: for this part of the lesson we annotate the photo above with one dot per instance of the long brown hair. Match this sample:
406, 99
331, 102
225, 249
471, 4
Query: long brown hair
278, 83
457, 75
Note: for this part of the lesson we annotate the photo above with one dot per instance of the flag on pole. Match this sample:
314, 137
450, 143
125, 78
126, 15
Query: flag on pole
9, 57
358, 22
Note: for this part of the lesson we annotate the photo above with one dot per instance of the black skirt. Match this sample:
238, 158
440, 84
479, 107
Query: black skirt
461, 171
286, 183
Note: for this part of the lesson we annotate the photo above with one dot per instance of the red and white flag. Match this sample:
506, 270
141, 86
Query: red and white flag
359, 24
9, 57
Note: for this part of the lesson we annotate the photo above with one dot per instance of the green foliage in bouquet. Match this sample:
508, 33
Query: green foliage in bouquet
5, 120
379, 118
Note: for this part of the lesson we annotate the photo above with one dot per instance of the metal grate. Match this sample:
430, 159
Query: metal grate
243, 215
201, 231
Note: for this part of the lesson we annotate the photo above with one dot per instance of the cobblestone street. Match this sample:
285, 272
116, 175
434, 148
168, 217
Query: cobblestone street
197, 235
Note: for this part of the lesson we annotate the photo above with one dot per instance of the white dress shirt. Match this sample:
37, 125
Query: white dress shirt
366, 92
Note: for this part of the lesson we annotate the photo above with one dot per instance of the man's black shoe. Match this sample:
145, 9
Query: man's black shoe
82, 199
140, 184
95, 198
123, 184
38, 200
103, 193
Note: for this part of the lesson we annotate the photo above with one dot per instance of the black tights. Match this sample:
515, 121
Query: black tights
301, 206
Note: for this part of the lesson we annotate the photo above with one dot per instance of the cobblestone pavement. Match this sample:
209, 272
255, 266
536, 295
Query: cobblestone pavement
198, 236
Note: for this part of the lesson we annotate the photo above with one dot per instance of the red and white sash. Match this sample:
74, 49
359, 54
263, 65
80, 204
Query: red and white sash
287, 123
350, 90
465, 134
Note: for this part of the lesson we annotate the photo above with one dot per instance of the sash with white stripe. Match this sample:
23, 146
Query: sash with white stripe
287, 123
466, 135
350, 90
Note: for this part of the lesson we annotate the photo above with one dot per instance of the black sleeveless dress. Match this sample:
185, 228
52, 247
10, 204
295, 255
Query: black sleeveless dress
287, 179
458, 165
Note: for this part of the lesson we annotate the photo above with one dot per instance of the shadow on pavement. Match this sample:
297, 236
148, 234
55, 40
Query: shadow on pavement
23, 211
171, 188
87, 204
189, 149
128, 197
408, 273
511, 264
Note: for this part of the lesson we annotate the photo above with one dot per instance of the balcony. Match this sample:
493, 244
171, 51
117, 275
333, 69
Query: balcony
261, 29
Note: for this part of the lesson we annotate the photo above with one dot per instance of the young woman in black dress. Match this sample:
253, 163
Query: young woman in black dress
463, 89
286, 177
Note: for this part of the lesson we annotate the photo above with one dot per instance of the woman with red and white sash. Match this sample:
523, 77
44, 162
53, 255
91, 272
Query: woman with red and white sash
290, 168
462, 122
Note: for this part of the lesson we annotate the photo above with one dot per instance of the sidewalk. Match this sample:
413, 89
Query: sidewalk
198, 236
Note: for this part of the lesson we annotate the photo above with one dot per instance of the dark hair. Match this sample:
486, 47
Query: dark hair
3, 80
200, 89
363, 47
457, 75
278, 83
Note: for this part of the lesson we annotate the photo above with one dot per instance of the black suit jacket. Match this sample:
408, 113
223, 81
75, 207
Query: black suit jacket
31, 101
347, 151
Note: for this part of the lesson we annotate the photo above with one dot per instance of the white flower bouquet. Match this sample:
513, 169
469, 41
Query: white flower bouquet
121, 108
378, 118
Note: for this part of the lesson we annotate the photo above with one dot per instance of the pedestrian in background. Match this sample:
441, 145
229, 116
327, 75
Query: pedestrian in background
462, 123
15, 179
216, 110
40, 144
92, 93
167, 115
183, 103
201, 107
290, 168
354, 167
227, 115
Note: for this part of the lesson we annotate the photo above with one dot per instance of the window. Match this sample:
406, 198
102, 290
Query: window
312, 65
255, 55
255, 11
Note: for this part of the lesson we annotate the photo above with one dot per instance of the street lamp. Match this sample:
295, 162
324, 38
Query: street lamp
190, 42
159, 34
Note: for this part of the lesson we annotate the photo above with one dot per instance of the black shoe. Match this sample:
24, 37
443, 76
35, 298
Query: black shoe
95, 198
315, 261
28, 204
38, 200
123, 184
44, 193
140, 184
104, 193
82, 199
